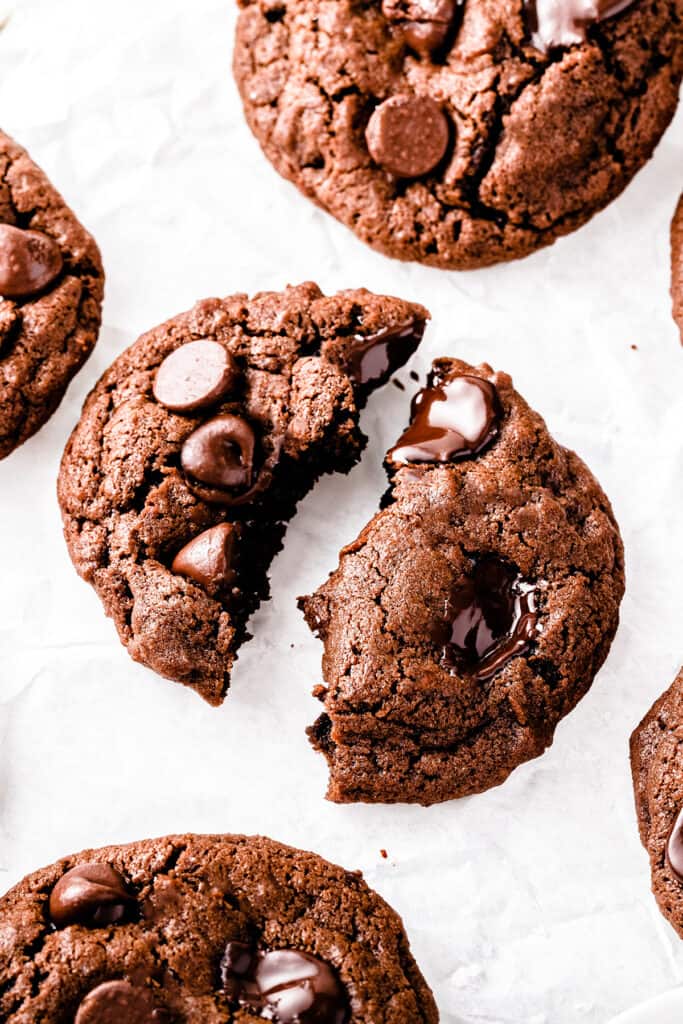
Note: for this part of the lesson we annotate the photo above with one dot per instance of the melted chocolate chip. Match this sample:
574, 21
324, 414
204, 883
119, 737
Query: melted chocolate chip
554, 23
490, 619
119, 1002
220, 455
375, 357
90, 894
194, 376
674, 847
285, 985
408, 135
209, 558
425, 24
29, 262
450, 420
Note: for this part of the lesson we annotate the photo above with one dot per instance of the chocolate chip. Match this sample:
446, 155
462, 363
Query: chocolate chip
408, 135
119, 1002
674, 847
425, 24
285, 985
208, 559
29, 262
450, 420
490, 619
90, 894
194, 376
554, 23
374, 357
220, 453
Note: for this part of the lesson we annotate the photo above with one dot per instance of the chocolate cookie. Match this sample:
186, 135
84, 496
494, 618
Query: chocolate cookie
474, 610
677, 265
204, 930
459, 132
194, 448
657, 767
51, 288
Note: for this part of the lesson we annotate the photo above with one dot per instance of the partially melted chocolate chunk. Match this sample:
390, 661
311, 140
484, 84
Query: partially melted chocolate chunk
674, 847
450, 420
491, 618
283, 985
375, 357
554, 23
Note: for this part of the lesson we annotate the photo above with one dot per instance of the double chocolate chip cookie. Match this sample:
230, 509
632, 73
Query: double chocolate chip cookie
459, 132
194, 448
677, 265
51, 289
204, 930
473, 611
657, 767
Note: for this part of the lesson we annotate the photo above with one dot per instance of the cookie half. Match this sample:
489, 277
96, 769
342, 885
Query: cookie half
51, 290
194, 448
205, 930
677, 265
657, 768
459, 134
472, 613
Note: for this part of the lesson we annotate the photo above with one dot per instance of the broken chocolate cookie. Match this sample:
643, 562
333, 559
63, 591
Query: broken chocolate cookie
474, 610
195, 447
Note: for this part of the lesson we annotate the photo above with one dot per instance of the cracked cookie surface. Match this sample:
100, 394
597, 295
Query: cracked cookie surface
51, 289
657, 769
540, 139
164, 927
194, 448
677, 265
474, 610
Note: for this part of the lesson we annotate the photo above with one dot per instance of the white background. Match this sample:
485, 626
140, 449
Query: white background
527, 904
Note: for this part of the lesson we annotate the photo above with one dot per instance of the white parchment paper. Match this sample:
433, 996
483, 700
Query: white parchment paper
527, 904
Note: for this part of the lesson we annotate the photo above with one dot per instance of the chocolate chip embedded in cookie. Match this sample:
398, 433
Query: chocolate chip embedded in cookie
408, 135
29, 262
119, 1002
677, 265
228, 928
195, 376
657, 769
286, 985
51, 288
459, 134
473, 612
194, 448
211, 558
425, 25
90, 894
